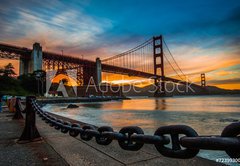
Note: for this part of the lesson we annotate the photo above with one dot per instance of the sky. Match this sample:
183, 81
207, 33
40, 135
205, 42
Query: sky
203, 36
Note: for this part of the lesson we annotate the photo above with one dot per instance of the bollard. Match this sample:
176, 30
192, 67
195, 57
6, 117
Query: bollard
12, 104
30, 132
18, 113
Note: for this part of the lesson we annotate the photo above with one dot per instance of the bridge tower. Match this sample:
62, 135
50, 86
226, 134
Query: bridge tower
34, 62
203, 80
99, 71
158, 65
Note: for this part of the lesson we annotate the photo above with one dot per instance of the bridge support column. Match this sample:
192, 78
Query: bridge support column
158, 65
99, 71
36, 58
34, 63
23, 66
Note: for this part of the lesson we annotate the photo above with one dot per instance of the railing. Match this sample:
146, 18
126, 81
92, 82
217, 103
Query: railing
133, 138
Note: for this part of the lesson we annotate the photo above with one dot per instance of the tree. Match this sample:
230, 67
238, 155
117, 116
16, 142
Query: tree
28, 82
8, 70
34, 83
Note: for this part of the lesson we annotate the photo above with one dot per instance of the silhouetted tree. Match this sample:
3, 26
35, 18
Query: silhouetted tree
28, 82
34, 82
8, 70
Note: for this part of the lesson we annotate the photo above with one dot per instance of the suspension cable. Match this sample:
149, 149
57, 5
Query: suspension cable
172, 66
173, 58
129, 51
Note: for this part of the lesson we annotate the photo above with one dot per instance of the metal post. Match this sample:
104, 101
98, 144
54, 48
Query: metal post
18, 113
30, 132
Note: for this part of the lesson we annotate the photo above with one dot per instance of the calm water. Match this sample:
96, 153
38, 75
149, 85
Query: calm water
206, 114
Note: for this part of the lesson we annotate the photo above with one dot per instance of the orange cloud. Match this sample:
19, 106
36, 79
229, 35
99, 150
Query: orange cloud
224, 73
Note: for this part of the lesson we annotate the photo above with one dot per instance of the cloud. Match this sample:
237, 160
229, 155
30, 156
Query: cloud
68, 30
204, 38
225, 73
216, 39
198, 60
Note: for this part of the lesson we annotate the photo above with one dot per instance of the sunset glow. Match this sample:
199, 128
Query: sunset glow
201, 42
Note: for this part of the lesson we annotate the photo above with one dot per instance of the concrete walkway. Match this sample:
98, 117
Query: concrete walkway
34, 153
61, 149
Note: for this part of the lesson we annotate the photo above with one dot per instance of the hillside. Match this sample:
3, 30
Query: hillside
182, 90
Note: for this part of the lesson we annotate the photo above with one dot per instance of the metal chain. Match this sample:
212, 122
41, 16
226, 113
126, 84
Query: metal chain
132, 137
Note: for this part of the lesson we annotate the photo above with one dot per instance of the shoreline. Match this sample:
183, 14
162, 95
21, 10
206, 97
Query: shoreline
78, 99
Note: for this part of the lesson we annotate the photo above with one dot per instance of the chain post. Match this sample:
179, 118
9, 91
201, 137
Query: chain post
30, 132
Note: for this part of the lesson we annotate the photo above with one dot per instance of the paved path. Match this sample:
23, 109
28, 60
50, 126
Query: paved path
61, 149
12, 153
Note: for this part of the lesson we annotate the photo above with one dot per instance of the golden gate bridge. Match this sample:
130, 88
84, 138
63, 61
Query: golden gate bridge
151, 59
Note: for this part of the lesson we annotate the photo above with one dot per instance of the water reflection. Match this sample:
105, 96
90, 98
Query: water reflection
207, 114
160, 104
118, 120
143, 104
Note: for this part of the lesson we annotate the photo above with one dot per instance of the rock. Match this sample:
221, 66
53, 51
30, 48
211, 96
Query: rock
72, 106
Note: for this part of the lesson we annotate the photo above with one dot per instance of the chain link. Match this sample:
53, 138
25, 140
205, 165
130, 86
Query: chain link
231, 131
132, 137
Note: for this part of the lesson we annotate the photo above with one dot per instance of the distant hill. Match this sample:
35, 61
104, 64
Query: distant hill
216, 90
181, 90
